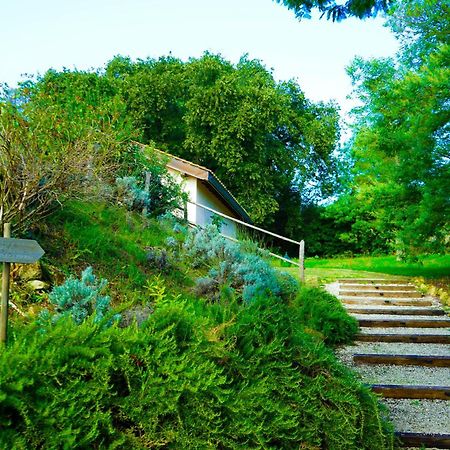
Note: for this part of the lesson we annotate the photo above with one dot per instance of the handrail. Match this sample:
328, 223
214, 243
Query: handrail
301, 244
270, 253
245, 223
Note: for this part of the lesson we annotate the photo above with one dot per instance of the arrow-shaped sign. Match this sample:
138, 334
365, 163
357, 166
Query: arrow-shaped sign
22, 251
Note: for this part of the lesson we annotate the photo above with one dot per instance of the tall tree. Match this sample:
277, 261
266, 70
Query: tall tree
263, 138
401, 150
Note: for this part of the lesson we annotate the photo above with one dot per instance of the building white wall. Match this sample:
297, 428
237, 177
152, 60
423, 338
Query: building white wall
208, 198
199, 193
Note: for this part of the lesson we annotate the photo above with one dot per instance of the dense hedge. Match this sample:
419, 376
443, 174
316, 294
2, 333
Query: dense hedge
324, 313
195, 375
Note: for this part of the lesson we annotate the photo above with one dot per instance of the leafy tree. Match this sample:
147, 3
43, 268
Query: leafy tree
234, 119
39, 168
336, 10
400, 147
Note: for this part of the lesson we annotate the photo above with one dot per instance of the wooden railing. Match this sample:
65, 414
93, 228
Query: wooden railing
301, 244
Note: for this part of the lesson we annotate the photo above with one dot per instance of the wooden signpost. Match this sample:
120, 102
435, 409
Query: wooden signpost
22, 251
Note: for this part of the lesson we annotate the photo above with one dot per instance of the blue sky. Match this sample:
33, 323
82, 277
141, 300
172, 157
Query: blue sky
38, 35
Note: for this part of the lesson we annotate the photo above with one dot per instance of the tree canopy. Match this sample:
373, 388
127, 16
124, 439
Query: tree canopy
336, 10
400, 147
234, 119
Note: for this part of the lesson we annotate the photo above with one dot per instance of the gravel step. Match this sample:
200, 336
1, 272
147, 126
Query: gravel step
376, 294
397, 311
380, 287
400, 348
404, 330
387, 302
411, 375
402, 360
419, 416
374, 281
407, 391
414, 322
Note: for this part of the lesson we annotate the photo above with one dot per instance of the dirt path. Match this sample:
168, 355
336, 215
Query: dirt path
403, 352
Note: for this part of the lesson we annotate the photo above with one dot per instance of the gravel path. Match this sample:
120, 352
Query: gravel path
408, 415
397, 317
411, 375
392, 307
394, 348
422, 416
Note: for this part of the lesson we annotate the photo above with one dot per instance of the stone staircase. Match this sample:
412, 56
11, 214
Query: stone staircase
403, 353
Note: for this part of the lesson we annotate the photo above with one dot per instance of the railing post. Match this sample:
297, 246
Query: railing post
185, 209
301, 260
146, 188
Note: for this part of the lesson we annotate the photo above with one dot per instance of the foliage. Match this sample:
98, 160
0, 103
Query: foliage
192, 376
39, 171
79, 299
131, 195
336, 10
159, 259
232, 267
400, 148
106, 237
324, 313
234, 119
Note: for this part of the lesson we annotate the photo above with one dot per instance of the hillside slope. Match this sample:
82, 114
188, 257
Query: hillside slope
186, 369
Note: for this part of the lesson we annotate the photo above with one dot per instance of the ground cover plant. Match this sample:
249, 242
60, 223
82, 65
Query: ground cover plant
194, 375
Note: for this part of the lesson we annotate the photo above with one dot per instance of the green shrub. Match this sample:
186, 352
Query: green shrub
55, 388
194, 375
79, 299
163, 195
240, 267
324, 313
288, 390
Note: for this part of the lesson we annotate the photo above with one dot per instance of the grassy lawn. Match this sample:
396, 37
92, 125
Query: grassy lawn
433, 266
321, 271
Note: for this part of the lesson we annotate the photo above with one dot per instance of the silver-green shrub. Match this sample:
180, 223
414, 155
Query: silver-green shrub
237, 266
80, 299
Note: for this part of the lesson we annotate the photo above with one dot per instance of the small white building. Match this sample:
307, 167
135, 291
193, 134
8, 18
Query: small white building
205, 189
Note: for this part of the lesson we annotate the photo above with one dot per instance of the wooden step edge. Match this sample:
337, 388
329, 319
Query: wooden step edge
401, 360
376, 294
412, 391
374, 280
379, 301
421, 439
408, 338
376, 288
398, 311
410, 323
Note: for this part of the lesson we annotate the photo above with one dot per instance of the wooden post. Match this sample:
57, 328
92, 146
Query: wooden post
185, 209
5, 291
301, 260
146, 188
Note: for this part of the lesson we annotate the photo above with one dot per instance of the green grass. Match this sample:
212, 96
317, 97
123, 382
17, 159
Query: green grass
111, 240
432, 266
322, 271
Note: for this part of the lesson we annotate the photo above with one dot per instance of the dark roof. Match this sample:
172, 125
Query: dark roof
206, 175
